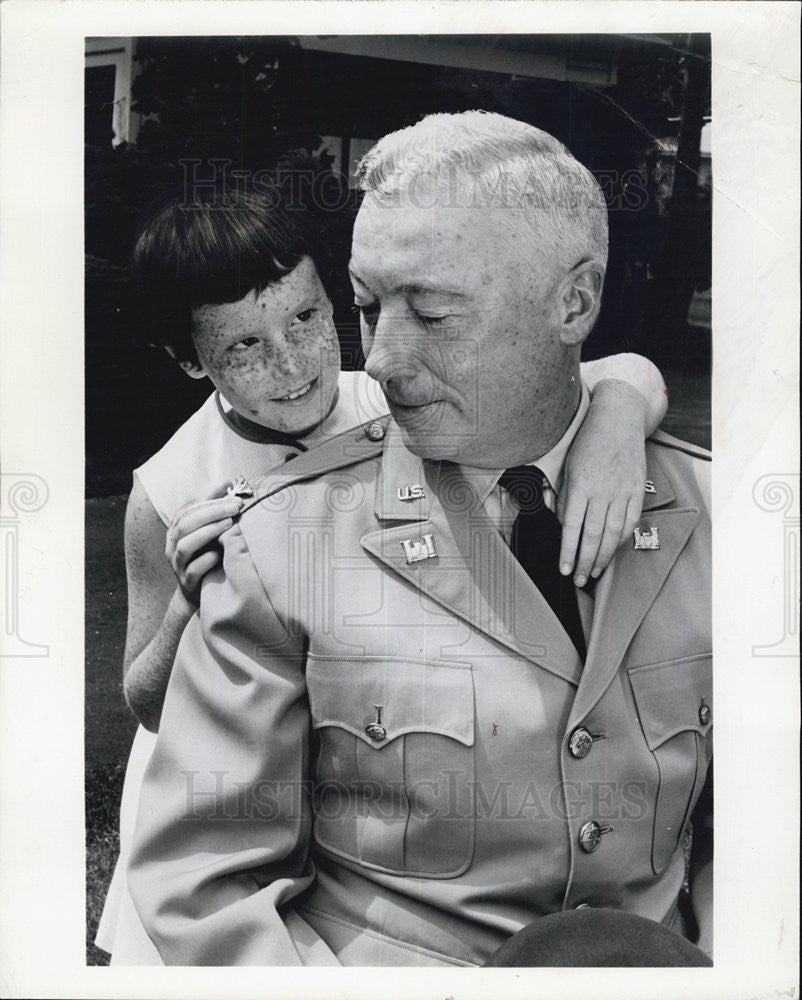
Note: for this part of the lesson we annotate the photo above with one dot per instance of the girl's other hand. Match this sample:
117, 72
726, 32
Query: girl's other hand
604, 481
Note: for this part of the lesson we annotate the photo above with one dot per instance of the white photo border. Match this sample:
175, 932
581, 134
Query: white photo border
755, 52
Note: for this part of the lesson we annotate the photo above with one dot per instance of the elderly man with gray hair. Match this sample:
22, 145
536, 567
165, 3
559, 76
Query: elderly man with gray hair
396, 734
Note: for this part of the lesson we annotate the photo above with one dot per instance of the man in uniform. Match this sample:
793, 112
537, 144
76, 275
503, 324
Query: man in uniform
395, 734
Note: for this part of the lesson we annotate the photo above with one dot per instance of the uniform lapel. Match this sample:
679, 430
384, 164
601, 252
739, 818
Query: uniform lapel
473, 573
629, 587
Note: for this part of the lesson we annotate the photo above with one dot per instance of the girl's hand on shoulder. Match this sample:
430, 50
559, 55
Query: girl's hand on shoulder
191, 547
604, 481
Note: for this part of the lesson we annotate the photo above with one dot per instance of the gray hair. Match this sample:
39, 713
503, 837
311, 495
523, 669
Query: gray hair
486, 160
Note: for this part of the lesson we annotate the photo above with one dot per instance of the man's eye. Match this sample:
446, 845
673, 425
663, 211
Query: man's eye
432, 320
245, 342
304, 316
369, 313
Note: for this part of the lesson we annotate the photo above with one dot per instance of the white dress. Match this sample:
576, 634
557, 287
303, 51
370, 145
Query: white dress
204, 453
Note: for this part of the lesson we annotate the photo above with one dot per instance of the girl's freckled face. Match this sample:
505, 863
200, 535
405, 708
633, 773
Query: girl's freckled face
267, 346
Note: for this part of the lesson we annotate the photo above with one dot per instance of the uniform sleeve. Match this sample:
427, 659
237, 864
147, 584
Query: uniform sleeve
221, 841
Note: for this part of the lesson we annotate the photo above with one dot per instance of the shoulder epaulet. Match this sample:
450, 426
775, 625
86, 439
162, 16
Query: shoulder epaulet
668, 441
352, 446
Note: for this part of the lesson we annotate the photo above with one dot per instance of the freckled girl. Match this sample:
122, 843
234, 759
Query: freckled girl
233, 287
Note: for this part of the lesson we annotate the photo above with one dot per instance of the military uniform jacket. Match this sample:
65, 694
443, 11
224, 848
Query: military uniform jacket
379, 747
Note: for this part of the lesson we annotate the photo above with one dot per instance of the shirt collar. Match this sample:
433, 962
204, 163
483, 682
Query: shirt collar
551, 464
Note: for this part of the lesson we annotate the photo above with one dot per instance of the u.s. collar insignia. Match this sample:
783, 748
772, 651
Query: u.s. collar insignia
239, 488
649, 488
407, 493
419, 549
647, 539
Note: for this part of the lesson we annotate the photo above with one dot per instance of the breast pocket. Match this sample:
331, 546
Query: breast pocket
675, 706
394, 777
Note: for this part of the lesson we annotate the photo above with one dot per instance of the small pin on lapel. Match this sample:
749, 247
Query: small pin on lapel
407, 493
649, 487
239, 488
647, 539
419, 549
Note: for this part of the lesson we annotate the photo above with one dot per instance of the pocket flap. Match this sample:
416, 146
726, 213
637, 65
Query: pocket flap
674, 696
396, 695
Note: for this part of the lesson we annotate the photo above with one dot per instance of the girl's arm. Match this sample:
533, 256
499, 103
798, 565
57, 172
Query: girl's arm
163, 584
635, 371
605, 470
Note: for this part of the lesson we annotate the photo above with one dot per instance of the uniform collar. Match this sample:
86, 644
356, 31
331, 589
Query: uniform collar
551, 464
406, 483
402, 472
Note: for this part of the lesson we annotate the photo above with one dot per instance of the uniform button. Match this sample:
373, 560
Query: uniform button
705, 714
376, 732
590, 836
375, 431
580, 744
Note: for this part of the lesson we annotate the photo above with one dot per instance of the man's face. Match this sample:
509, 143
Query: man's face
459, 327
275, 355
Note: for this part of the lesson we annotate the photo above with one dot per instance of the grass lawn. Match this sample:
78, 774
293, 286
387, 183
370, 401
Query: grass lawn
109, 726
103, 790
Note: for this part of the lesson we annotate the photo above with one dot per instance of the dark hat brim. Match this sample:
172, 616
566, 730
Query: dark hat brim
597, 938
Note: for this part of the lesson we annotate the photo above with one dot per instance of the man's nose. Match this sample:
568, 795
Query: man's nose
390, 356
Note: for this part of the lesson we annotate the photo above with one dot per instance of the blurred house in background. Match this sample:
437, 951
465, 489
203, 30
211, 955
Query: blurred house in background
109, 73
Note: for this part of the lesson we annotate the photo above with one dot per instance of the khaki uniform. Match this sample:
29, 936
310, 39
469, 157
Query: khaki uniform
379, 747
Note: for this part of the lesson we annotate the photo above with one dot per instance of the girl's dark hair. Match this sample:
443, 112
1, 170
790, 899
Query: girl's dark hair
210, 246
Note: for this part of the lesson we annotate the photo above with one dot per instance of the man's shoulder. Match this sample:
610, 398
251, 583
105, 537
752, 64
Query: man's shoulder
686, 465
349, 450
328, 489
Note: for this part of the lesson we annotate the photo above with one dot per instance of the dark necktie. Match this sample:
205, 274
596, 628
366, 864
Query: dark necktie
535, 543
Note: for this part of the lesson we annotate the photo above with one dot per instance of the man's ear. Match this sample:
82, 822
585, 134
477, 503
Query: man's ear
579, 301
192, 368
